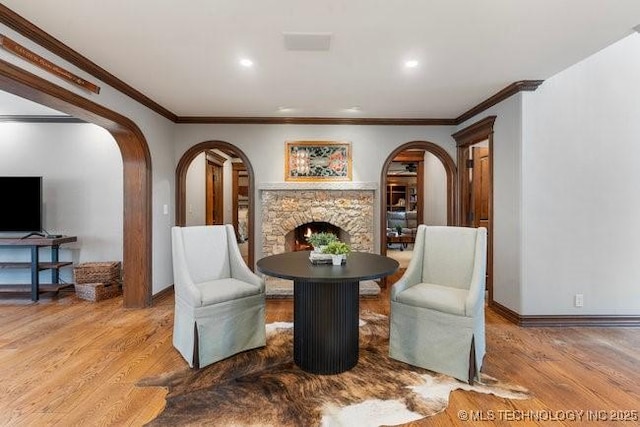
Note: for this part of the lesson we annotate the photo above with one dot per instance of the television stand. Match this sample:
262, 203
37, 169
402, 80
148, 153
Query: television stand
34, 233
35, 243
40, 234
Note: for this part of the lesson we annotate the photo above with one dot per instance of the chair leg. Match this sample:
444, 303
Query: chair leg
472, 362
196, 346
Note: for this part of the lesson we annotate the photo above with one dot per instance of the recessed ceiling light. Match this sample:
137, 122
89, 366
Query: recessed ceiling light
412, 63
285, 109
354, 109
246, 63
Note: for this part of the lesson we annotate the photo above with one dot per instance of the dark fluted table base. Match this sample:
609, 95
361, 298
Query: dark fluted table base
325, 334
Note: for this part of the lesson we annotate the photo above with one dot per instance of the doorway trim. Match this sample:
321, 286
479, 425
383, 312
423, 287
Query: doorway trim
477, 132
450, 170
181, 184
136, 164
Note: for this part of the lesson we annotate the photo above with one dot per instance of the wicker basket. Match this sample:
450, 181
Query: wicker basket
97, 272
97, 291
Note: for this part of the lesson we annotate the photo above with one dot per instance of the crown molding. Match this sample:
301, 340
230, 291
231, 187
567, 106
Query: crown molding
512, 89
314, 121
55, 46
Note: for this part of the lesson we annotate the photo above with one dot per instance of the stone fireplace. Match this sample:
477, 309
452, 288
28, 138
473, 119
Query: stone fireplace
349, 206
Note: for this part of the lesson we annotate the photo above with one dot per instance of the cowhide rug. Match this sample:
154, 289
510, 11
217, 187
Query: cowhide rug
264, 387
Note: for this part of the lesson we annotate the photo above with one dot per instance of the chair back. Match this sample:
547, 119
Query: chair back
202, 251
450, 254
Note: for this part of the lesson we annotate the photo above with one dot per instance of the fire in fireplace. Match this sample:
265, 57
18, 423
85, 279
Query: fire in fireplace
300, 234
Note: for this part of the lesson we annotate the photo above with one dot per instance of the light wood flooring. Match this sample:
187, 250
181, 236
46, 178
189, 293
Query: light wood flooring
69, 362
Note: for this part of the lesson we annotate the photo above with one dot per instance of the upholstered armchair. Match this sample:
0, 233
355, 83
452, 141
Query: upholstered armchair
437, 306
220, 302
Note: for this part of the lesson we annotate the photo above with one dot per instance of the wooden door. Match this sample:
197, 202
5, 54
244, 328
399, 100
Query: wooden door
476, 198
480, 187
214, 189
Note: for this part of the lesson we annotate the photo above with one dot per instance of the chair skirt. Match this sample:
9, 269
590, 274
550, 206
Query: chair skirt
439, 342
204, 335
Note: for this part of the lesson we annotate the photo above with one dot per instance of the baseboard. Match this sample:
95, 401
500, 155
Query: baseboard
563, 320
505, 312
162, 294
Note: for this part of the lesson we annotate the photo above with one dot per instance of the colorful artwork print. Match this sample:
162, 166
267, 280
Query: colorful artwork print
310, 161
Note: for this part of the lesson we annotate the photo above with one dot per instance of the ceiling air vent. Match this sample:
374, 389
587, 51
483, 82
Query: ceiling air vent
307, 41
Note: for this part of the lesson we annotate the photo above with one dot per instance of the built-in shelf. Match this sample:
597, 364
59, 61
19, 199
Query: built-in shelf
402, 193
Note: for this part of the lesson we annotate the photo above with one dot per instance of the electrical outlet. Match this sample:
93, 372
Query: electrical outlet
579, 300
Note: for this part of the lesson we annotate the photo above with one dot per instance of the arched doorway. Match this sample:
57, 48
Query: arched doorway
181, 185
451, 181
136, 159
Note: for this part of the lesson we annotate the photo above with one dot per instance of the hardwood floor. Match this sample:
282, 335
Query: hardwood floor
69, 362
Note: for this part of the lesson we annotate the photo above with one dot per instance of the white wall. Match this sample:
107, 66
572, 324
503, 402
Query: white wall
158, 132
580, 184
81, 168
507, 200
565, 189
435, 191
195, 196
264, 147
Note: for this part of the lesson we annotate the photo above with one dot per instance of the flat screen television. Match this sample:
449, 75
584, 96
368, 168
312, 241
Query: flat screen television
21, 198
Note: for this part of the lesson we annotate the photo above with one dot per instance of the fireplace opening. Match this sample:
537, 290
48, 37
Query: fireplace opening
297, 238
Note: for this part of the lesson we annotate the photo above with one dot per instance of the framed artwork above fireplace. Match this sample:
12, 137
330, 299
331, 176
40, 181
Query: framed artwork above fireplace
317, 161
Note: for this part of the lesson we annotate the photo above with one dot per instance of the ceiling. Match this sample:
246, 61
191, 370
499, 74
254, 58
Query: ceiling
185, 55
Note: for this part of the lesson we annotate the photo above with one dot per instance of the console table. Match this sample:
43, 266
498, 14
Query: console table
326, 306
35, 243
402, 239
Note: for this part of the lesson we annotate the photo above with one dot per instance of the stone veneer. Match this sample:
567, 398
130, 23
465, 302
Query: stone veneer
289, 205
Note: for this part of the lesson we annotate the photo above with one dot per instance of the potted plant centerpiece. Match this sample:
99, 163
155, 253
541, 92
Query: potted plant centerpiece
320, 240
338, 251
398, 230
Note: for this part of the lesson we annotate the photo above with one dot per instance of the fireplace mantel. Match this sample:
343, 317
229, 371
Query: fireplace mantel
329, 185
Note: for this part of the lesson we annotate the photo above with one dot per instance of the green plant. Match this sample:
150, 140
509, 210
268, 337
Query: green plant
398, 229
321, 239
337, 248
